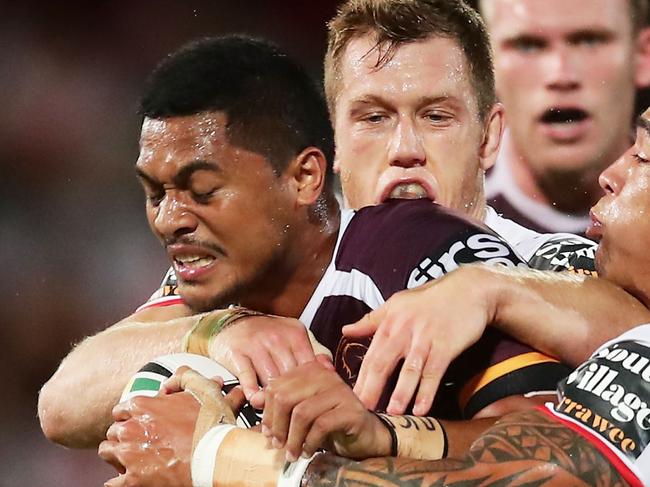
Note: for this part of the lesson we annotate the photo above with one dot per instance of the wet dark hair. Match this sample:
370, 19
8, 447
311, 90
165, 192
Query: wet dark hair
272, 105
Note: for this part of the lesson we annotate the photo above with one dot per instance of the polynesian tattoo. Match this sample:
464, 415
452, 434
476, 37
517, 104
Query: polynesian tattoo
523, 449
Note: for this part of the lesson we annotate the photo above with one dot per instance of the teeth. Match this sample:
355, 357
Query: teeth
194, 260
408, 191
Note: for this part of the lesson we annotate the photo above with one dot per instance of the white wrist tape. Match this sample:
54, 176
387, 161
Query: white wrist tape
205, 455
292, 473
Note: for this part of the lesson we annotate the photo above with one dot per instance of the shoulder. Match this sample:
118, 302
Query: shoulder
546, 251
407, 243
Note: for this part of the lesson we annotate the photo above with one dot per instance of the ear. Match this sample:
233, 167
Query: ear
642, 55
306, 175
493, 131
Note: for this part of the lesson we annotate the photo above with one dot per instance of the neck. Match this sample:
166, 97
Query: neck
571, 192
289, 288
479, 206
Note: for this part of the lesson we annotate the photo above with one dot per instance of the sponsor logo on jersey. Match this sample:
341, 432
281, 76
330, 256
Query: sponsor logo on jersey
571, 254
609, 394
480, 247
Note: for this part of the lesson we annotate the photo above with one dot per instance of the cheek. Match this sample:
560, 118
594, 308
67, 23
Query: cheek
151, 214
514, 74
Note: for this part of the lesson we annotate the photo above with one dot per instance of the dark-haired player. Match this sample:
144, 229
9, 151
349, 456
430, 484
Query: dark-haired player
246, 223
597, 434
431, 141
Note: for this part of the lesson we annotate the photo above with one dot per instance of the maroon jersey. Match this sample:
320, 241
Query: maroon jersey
399, 245
404, 244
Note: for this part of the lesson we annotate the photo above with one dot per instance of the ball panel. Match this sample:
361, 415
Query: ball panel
149, 379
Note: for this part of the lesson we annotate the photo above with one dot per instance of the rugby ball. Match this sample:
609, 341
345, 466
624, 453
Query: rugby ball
149, 379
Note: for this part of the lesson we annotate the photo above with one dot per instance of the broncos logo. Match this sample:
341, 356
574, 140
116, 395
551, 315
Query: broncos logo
348, 357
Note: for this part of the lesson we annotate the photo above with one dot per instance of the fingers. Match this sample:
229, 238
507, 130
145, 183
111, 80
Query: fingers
302, 349
109, 451
235, 399
307, 430
244, 370
283, 394
325, 361
432, 373
119, 481
283, 357
409, 378
366, 326
379, 362
205, 391
122, 411
257, 399
264, 366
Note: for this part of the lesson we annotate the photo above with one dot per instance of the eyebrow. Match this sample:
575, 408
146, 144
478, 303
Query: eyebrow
421, 101
643, 123
182, 177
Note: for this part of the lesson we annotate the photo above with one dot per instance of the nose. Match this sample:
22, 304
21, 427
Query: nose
173, 217
612, 179
562, 70
406, 148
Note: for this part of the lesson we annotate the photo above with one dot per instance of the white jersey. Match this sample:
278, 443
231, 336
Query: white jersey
607, 401
545, 251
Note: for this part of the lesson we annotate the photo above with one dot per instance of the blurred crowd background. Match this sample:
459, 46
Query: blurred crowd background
74, 243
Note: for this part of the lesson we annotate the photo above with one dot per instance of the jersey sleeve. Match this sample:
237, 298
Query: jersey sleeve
607, 401
565, 252
165, 295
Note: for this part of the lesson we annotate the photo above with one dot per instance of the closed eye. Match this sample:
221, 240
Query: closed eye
374, 118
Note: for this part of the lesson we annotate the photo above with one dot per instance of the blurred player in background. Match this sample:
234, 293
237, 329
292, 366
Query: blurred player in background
567, 73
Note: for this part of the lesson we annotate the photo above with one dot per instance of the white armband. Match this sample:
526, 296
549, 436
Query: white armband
205, 455
292, 473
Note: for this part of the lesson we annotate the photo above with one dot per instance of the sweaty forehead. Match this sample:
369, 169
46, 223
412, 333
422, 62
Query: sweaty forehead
432, 64
546, 17
193, 133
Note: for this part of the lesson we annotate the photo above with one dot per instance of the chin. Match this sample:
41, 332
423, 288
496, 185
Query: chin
201, 302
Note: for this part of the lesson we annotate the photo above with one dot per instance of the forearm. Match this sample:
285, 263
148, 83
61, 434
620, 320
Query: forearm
524, 448
75, 404
561, 314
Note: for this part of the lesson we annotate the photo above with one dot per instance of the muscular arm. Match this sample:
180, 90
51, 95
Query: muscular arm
564, 315
522, 449
74, 406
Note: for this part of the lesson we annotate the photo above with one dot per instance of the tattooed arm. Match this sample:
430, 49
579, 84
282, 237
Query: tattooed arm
525, 448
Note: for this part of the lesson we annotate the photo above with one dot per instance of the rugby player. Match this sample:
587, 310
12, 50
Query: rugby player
566, 73
597, 434
297, 256
462, 116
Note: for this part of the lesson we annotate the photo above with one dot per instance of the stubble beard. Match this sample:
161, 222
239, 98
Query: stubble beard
244, 292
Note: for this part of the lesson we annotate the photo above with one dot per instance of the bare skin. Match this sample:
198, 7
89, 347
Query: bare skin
81, 420
148, 452
170, 150
526, 448
526, 304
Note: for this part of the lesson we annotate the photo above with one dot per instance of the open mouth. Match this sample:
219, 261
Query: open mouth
563, 116
408, 191
193, 261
